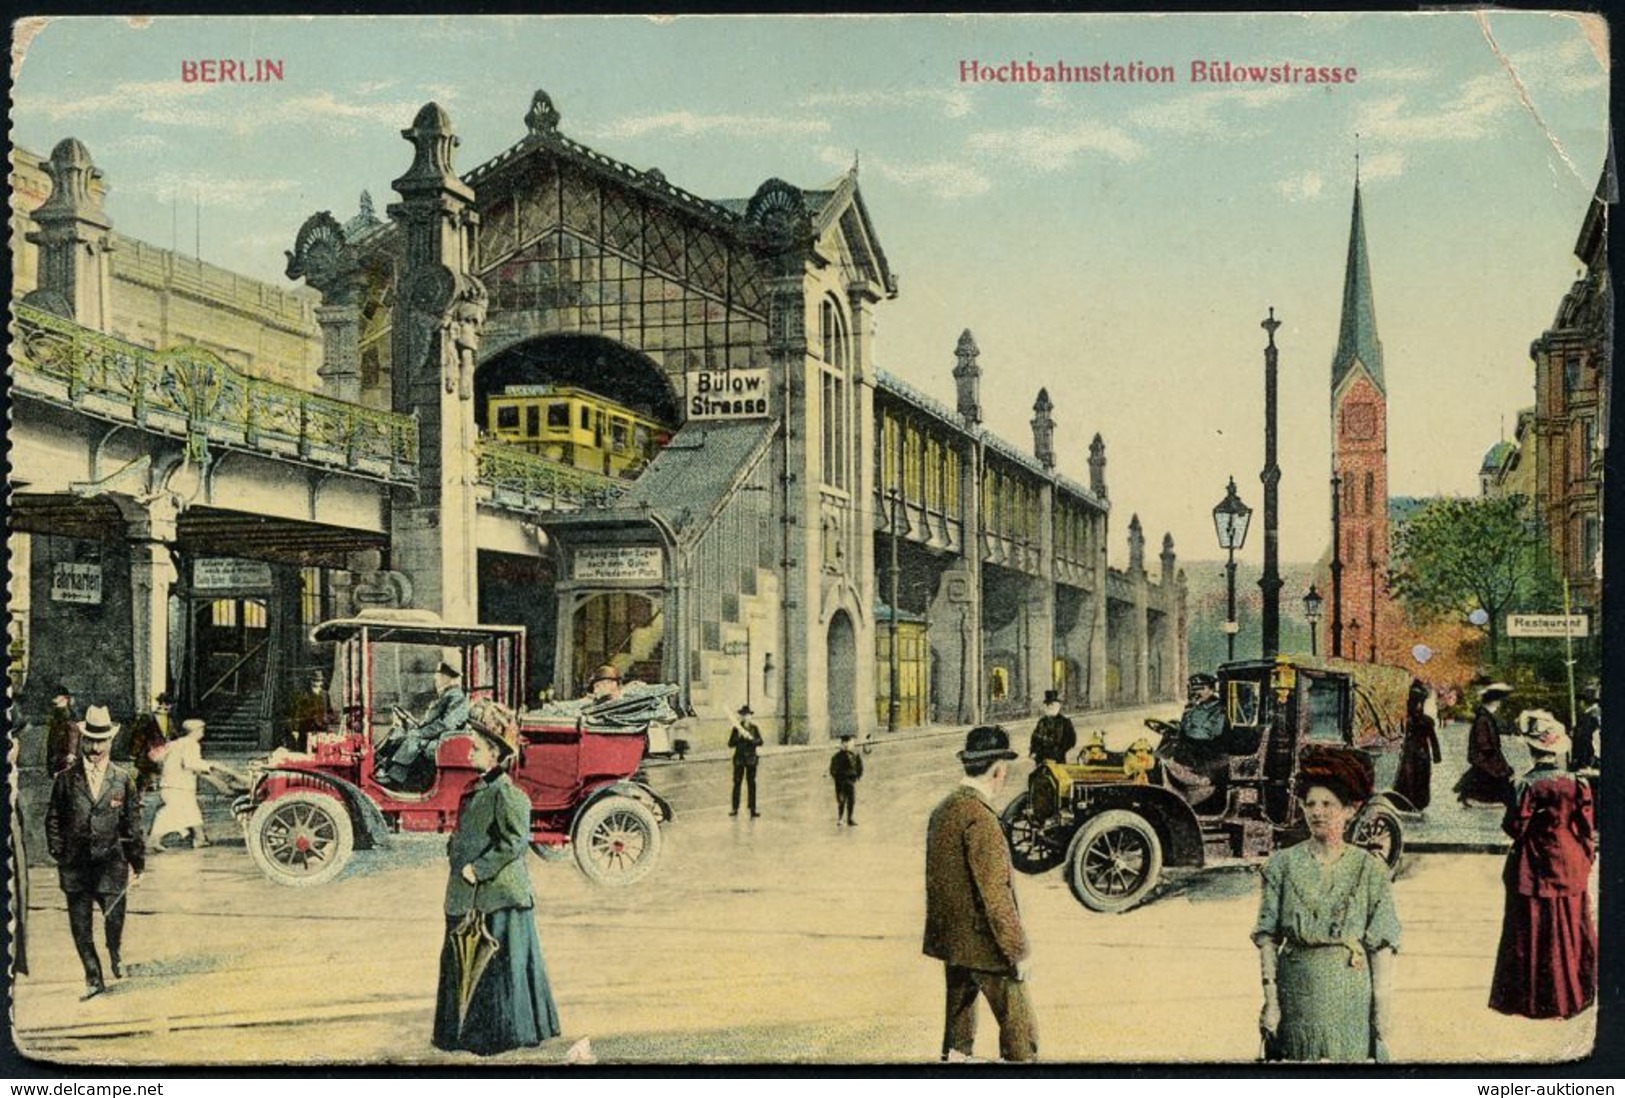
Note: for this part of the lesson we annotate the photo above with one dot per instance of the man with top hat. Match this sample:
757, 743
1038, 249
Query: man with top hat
1489, 776
93, 831
846, 767
605, 684
1054, 737
972, 923
406, 758
61, 731
745, 739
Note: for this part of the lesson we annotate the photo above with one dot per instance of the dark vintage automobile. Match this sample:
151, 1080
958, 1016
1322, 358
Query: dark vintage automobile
578, 762
1115, 820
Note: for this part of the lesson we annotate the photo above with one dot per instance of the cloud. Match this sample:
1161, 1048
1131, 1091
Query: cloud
953, 102
1470, 115
212, 190
226, 108
1301, 188
949, 180
690, 124
1198, 114
1378, 166
1399, 74
1051, 148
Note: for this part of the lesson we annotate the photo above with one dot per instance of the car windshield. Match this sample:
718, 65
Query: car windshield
1241, 709
1325, 710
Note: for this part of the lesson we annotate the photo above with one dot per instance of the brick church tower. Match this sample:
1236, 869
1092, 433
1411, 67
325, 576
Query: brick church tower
1359, 458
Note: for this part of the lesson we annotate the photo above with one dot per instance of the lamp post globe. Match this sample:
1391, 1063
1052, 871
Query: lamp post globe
1230, 519
1311, 613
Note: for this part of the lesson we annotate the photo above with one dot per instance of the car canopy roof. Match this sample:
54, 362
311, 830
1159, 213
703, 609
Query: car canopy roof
411, 627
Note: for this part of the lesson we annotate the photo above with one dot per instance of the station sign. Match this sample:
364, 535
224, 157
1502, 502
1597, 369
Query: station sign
230, 574
1548, 625
81, 583
619, 562
728, 394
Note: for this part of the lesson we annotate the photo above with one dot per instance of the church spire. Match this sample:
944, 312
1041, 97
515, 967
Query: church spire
1357, 334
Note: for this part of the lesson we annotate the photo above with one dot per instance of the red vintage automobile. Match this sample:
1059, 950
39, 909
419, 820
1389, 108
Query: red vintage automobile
579, 763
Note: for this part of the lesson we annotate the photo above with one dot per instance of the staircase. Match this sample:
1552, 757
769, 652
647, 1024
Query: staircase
233, 721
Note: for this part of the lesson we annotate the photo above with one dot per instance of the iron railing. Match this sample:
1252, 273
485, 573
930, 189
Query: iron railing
188, 392
529, 481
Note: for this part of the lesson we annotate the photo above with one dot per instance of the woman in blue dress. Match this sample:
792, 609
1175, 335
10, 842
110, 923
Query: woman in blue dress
1327, 929
511, 1004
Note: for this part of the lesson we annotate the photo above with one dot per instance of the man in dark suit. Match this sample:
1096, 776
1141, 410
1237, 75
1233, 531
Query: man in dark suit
406, 759
846, 767
745, 739
972, 924
93, 830
1054, 737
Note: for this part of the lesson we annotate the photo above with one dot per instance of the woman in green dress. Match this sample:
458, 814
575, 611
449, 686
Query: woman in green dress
1327, 929
503, 1002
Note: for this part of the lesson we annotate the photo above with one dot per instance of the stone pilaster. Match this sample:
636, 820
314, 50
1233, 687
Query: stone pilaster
1168, 602
151, 533
1099, 661
439, 310
1142, 604
1041, 602
75, 239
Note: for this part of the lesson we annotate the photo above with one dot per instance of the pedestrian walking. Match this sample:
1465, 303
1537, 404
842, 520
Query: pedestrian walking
745, 739
1054, 737
62, 729
972, 923
1546, 966
93, 831
147, 740
1414, 781
177, 786
1327, 928
1489, 776
846, 767
1587, 729
493, 993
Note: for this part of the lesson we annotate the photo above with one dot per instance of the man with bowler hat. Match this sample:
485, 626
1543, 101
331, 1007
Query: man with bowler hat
745, 739
93, 831
972, 924
846, 767
1054, 737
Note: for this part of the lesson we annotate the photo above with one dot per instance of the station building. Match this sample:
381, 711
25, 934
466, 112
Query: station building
559, 391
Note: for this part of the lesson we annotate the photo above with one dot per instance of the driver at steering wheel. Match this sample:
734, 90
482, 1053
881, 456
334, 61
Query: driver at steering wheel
1197, 760
402, 754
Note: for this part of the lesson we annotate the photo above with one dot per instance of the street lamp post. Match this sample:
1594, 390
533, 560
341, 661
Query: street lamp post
1230, 519
1337, 565
1311, 612
1270, 581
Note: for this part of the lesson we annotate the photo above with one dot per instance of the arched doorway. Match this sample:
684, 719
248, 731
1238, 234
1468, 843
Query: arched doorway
602, 366
623, 628
842, 662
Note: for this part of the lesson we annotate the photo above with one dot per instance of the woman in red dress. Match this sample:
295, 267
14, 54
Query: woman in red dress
1547, 963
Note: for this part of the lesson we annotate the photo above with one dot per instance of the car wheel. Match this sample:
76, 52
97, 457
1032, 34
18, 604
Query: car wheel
1029, 853
616, 841
1378, 830
1114, 861
301, 839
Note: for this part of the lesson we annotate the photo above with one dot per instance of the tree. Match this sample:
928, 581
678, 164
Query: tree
1455, 555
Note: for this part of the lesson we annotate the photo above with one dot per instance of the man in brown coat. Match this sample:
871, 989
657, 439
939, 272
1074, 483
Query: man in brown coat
971, 922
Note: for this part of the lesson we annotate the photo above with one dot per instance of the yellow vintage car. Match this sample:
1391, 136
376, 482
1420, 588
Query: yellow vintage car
1115, 820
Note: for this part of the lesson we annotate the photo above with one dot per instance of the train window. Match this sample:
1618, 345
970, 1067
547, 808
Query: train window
558, 415
586, 417
619, 435
1243, 707
533, 420
507, 417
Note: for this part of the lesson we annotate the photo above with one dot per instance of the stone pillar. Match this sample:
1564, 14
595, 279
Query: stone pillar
151, 532
1099, 661
439, 310
1142, 625
968, 379
1040, 670
970, 497
75, 239
1043, 424
341, 351
330, 265
1097, 467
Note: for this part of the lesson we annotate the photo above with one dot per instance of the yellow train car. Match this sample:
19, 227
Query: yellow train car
575, 427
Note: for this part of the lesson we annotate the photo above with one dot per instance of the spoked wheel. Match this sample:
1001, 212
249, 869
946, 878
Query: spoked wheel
1029, 853
616, 841
1378, 830
301, 839
1114, 861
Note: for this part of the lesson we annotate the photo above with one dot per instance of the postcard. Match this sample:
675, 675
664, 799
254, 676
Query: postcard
811, 541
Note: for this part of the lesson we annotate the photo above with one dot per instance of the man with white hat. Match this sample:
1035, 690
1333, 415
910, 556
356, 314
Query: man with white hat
93, 831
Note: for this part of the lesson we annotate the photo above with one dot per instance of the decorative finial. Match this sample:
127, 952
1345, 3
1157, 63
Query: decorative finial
1270, 325
854, 162
1356, 158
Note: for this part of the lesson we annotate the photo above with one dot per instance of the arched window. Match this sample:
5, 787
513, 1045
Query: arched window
1370, 489
835, 414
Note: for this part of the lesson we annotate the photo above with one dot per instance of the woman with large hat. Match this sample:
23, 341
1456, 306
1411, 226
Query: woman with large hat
494, 993
1546, 966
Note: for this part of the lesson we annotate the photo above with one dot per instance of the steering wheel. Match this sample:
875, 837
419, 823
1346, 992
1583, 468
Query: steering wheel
1162, 728
405, 719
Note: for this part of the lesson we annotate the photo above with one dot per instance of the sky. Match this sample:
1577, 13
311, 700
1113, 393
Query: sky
1117, 243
